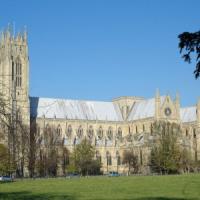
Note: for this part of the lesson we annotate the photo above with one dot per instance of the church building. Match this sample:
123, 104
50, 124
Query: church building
111, 126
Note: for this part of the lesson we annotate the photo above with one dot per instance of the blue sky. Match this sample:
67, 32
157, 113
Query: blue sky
102, 49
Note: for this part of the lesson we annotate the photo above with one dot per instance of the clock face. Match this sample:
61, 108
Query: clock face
168, 111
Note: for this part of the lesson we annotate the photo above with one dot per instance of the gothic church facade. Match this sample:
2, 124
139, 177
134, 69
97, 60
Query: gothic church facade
108, 125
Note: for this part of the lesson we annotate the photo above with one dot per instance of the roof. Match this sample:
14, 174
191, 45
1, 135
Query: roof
144, 109
99, 110
188, 114
74, 109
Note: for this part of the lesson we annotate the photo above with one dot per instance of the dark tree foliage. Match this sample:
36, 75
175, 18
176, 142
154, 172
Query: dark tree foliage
83, 158
131, 160
190, 43
4, 160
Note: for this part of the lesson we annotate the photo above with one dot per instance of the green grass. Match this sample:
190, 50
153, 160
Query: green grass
101, 188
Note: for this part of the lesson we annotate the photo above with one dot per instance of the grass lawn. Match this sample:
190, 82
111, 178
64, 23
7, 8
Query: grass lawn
100, 188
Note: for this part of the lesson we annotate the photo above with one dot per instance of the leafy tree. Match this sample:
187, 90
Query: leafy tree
16, 136
48, 152
83, 158
4, 160
131, 160
166, 153
186, 162
71, 168
190, 42
94, 167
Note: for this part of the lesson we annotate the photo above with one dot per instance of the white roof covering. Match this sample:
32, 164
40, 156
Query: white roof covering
74, 109
144, 109
188, 114
98, 110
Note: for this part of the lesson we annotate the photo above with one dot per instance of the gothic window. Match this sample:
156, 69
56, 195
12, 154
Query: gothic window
59, 130
119, 133
98, 156
48, 128
143, 127
80, 132
100, 133
194, 134
110, 133
18, 72
46, 134
109, 158
186, 133
69, 131
136, 129
118, 158
90, 132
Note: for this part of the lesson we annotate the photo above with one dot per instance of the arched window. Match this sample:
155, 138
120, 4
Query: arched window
59, 130
47, 134
90, 132
194, 133
69, 131
18, 72
143, 127
100, 133
119, 133
110, 133
109, 158
98, 156
136, 129
80, 132
186, 132
48, 129
118, 158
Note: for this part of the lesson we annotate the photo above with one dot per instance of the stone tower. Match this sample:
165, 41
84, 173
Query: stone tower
14, 91
14, 73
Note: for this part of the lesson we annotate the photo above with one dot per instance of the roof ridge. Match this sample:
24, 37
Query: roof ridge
80, 100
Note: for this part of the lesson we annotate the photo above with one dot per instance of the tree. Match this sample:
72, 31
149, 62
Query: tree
190, 42
4, 160
167, 155
15, 135
65, 159
131, 160
186, 162
48, 151
83, 158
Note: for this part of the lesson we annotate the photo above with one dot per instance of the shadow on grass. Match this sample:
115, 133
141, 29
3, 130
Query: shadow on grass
30, 196
162, 198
